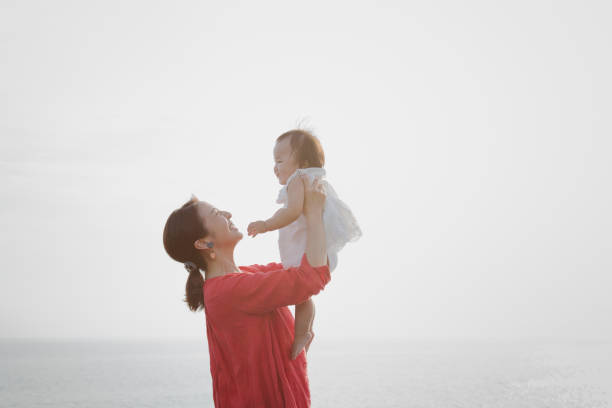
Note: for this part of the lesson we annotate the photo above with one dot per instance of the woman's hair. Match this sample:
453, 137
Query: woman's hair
183, 227
306, 147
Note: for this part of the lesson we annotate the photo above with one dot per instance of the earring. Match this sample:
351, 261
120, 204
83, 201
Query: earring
212, 255
210, 244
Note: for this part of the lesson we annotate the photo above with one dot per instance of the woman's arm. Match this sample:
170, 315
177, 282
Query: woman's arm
263, 292
314, 200
284, 216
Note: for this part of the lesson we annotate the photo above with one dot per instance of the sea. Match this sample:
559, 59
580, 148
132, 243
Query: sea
351, 373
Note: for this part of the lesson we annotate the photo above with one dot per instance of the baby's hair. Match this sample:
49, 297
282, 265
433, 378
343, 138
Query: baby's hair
306, 147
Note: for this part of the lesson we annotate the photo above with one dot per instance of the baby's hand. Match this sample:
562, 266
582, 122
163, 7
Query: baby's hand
257, 227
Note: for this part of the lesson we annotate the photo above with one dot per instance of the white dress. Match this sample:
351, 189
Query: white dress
340, 224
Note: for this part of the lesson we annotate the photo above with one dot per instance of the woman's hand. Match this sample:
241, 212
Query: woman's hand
314, 197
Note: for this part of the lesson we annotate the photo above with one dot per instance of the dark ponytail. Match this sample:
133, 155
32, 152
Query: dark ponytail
183, 227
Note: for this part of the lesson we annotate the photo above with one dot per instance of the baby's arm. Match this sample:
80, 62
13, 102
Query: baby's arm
284, 216
295, 205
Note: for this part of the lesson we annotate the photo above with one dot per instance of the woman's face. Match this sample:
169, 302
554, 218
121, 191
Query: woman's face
284, 161
222, 231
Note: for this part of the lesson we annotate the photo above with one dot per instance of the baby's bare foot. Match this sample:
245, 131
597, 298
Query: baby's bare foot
299, 343
309, 341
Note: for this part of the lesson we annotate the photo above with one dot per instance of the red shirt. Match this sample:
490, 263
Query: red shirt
250, 333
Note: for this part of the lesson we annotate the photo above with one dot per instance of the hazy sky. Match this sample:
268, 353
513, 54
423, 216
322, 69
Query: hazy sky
471, 139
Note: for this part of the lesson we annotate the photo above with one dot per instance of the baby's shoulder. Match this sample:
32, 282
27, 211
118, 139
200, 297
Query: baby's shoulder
311, 172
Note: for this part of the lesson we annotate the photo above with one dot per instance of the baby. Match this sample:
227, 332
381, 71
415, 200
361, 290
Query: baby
298, 152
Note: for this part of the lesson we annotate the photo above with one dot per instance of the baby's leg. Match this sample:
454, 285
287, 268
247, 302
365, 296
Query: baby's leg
304, 316
312, 335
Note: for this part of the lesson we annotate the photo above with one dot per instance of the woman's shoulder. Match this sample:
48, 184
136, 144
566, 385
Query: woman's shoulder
272, 266
244, 269
216, 289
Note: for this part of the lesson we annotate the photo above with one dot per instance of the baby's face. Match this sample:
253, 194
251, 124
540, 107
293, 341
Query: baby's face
284, 161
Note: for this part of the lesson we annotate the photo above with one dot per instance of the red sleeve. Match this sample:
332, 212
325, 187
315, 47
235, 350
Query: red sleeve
273, 286
272, 266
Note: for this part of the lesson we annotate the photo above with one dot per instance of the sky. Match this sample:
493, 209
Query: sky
471, 140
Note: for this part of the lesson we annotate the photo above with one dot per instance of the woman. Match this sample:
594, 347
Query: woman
248, 326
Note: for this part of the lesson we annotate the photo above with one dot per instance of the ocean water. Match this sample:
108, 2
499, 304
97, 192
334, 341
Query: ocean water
357, 374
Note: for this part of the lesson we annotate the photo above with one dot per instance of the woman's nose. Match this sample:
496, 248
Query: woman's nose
227, 214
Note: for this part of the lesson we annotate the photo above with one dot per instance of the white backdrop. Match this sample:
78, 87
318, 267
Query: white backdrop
471, 140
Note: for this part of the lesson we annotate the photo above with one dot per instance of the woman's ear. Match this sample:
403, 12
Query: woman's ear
205, 243
202, 243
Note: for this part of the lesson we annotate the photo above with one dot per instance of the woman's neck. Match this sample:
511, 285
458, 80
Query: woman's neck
222, 264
